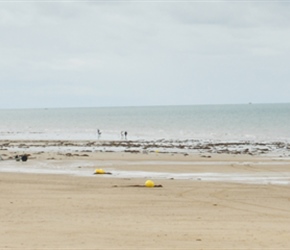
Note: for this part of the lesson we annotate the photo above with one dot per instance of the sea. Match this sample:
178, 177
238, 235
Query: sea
239, 122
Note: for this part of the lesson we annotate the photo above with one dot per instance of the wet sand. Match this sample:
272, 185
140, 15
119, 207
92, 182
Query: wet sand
53, 211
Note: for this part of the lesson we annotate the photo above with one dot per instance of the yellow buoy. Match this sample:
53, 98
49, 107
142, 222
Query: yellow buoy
149, 183
99, 171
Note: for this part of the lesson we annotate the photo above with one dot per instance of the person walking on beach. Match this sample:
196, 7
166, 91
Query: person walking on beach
125, 134
122, 135
99, 133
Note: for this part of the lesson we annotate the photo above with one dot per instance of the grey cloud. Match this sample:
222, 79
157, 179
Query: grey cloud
143, 53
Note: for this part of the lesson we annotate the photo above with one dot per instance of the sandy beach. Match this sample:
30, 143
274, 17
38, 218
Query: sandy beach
85, 211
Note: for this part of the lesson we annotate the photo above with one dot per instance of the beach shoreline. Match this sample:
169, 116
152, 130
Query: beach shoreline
189, 146
131, 159
67, 206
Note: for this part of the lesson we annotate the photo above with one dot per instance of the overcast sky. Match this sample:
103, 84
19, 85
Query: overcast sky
135, 53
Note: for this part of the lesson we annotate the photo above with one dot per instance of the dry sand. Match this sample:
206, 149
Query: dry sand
43, 211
